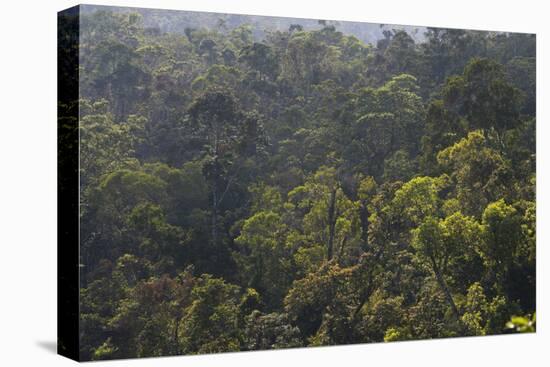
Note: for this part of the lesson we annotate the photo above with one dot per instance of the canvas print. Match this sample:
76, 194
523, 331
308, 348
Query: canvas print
237, 183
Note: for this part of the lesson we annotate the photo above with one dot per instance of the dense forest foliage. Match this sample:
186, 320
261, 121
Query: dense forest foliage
177, 22
304, 189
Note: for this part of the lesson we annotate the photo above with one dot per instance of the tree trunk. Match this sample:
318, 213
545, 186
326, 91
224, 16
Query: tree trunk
445, 290
176, 336
367, 293
364, 216
215, 215
331, 224
215, 202
342, 246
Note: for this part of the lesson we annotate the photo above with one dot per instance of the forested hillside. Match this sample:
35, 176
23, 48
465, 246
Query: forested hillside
304, 189
178, 21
